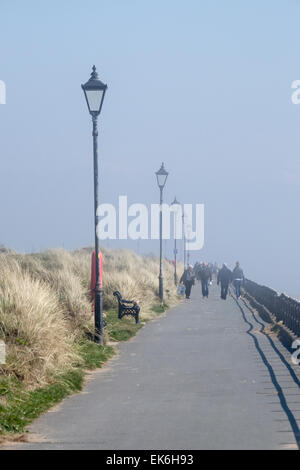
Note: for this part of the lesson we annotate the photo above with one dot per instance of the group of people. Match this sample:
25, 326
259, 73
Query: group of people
203, 272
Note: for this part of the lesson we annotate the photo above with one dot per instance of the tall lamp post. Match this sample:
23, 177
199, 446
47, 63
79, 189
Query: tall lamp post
175, 203
184, 240
161, 176
188, 251
94, 92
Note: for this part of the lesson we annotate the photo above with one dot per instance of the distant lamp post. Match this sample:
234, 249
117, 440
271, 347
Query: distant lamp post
188, 251
175, 203
94, 92
161, 176
184, 240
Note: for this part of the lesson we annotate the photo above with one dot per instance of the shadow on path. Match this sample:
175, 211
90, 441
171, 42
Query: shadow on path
281, 396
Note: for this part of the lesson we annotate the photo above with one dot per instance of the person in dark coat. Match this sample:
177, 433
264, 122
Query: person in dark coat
238, 279
188, 279
215, 270
198, 271
205, 277
224, 277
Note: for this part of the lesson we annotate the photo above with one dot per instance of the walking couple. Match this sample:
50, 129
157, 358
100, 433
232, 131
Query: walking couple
225, 276
204, 274
188, 279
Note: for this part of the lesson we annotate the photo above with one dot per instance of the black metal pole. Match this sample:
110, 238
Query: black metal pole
98, 289
184, 242
175, 259
161, 288
188, 251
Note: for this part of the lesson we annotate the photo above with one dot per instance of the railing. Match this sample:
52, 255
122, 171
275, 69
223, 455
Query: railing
284, 308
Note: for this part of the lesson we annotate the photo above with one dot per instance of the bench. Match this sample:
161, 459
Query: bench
127, 307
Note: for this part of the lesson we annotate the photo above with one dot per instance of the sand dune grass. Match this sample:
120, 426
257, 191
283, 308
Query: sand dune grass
45, 306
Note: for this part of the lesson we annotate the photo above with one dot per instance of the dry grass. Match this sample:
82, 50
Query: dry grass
137, 279
45, 305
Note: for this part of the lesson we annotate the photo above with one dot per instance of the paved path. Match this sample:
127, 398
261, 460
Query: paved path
204, 376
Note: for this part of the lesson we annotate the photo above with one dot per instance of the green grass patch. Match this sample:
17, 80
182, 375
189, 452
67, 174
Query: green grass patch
121, 330
19, 407
160, 308
93, 355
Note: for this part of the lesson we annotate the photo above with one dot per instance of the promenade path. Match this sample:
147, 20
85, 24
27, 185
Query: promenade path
203, 376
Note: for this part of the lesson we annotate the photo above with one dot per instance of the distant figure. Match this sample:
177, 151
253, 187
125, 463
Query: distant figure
238, 279
205, 277
198, 271
224, 277
215, 269
188, 279
210, 267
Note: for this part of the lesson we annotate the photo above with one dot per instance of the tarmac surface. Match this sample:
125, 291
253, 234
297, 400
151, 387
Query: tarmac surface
205, 375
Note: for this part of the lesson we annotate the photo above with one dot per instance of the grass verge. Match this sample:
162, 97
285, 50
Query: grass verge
19, 407
46, 311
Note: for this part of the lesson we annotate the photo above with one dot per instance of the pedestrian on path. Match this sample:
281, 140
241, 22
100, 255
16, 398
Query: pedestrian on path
238, 279
215, 269
197, 269
224, 277
188, 279
205, 277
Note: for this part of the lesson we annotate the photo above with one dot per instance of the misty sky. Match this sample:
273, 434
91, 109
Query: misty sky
203, 85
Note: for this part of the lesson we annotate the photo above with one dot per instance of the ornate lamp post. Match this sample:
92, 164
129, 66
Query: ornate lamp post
188, 251
184, 239
94, 92
175, 203
161, 176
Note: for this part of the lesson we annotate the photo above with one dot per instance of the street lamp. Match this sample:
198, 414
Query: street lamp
175, 203
94, 92
188, 251
161, 176
184, 239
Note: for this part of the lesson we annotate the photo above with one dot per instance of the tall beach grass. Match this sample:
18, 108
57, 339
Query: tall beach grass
46, 309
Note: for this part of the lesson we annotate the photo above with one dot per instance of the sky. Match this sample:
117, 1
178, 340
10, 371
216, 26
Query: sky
202, 85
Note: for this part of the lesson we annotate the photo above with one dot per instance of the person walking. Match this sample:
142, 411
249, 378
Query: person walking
210, 267
215, 270
198, 271
205, 277
188, 279
224, 277
238, 279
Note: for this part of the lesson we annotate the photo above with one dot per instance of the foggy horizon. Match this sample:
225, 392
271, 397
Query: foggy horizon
204, 87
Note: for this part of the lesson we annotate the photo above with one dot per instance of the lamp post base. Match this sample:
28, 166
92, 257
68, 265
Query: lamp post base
161, 288
98, 338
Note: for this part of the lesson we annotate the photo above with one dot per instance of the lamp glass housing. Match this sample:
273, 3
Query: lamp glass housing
161, 176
